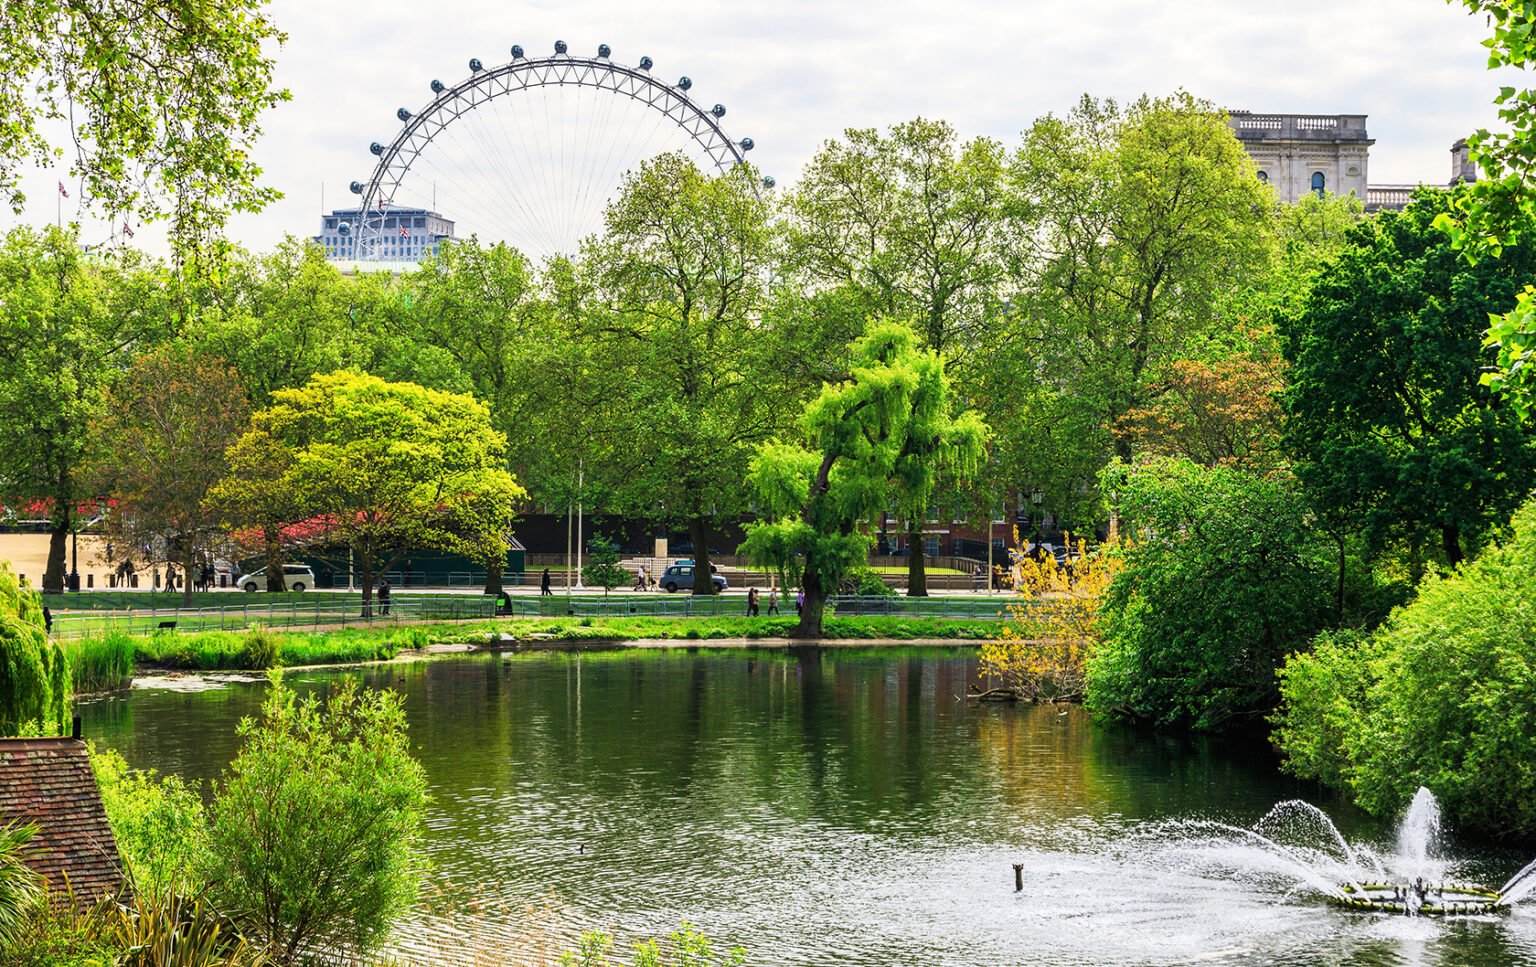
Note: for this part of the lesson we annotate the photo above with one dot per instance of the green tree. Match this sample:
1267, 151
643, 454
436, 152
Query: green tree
683, 382
1223, 578
161, 100
1500, 208
70, 321
1138, 226
890, 420
379, 468
602, 568
34, 671
910, 225
317, 826
1384, 412
160, 446
1439, 696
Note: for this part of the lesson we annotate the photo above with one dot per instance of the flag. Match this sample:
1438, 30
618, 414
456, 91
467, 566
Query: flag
62, 191
405, 232
127, 231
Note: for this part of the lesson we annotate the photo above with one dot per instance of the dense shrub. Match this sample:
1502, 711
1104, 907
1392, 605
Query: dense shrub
159, 823
1443, 695
1222, 580
262, 647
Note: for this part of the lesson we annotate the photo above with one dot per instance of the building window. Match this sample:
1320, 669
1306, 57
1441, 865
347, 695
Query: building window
930, 547
1318, 183
1264, 177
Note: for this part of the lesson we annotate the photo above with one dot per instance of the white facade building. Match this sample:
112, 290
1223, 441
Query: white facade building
408, 234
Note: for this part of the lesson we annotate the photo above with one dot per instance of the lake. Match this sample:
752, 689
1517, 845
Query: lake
828, 806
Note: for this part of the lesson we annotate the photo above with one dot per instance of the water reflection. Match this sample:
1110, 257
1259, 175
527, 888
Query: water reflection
819, 807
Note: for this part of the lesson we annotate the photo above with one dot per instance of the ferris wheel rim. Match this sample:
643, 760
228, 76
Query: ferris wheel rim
486, 84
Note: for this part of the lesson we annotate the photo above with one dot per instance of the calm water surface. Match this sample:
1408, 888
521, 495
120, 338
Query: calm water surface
831, 807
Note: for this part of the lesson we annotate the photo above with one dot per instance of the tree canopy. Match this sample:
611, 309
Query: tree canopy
376, 467
162, 99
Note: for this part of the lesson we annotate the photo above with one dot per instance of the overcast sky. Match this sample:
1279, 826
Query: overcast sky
796, 72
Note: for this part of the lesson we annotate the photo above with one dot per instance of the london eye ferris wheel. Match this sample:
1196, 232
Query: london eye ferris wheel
528, 153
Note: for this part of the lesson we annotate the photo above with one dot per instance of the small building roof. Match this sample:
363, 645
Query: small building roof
50, 782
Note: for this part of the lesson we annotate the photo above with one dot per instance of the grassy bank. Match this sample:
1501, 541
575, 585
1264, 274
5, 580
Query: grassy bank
108, 661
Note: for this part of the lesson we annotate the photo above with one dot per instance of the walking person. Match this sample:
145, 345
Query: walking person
800, 602
773, 599
752, 603
544, 584
384, 596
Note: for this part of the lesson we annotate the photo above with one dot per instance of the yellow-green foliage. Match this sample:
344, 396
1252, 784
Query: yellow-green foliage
34, 673
1441, 696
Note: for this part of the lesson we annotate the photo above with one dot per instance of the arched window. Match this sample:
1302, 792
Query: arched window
1264, 177
1318, 183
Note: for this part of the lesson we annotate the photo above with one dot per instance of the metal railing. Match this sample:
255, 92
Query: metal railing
336, 611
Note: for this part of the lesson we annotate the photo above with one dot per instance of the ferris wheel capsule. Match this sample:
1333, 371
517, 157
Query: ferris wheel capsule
603, 50
403, 114
437, 87
475, 66
747, 144
645, 63
718, 110
376, 148
768, 181
685, 82
357, 187
560, 47
517, 51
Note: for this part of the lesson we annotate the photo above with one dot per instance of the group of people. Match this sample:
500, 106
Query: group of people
754, 597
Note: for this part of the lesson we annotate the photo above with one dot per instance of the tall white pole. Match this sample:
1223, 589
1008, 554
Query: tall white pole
989, 550
581, 480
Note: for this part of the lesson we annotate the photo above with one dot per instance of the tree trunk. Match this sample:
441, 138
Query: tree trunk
815, 601
1340, 591
187, 557
917, 577
274, 553
1450, 540
493, 578
53, 576
364, 558
703, 575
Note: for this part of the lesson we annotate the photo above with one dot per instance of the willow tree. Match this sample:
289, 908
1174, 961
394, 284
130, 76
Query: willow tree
889, 424
379, 468
34, 673
908, 223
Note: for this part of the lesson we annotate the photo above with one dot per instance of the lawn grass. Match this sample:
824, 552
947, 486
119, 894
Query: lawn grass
103, 662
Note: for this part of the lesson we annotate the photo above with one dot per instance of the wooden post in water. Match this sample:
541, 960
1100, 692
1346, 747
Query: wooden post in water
1018, 877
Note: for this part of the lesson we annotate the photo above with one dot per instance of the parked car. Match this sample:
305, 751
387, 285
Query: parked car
680, 577
298, 577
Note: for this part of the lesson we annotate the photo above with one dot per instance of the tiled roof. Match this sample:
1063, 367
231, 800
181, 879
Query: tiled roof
49, 782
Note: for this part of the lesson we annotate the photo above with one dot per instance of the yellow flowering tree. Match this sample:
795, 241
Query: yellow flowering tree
1052, 623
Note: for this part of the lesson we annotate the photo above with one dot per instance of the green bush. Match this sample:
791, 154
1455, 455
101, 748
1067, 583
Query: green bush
262, 648
159, 823
316, 829
21, 890
1443, 696
1223, 581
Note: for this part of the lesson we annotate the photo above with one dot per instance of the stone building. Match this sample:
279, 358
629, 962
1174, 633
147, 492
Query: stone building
1302, 153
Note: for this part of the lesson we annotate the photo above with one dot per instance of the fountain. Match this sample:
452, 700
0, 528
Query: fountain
1298, 847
